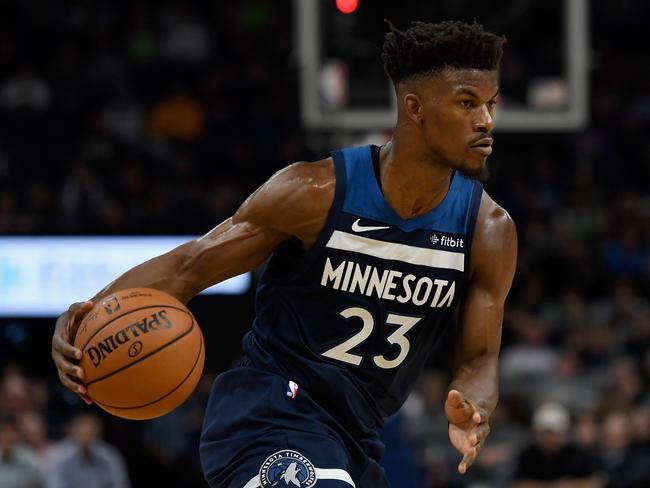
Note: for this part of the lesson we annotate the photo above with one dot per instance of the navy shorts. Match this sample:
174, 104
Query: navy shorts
261, 430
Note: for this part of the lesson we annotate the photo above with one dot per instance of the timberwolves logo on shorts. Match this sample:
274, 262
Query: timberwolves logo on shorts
287, 468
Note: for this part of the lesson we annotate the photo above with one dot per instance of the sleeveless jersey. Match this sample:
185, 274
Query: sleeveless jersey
354, 318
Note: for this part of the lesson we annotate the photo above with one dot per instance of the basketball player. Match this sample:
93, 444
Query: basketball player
375, 254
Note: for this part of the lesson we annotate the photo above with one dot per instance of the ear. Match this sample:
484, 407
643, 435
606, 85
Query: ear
413, 107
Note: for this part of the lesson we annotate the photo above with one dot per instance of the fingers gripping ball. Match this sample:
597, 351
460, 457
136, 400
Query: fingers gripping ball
142, 353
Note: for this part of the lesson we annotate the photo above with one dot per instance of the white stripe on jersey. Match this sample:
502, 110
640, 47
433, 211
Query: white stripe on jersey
433, 258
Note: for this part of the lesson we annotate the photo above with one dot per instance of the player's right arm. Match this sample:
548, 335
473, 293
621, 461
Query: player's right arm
293, 203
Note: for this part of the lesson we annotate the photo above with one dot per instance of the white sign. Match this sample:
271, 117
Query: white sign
42, 276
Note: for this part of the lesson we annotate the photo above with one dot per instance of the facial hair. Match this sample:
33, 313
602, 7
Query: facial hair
482, 174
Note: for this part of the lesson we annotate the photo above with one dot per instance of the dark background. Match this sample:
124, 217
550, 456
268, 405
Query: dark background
161, 117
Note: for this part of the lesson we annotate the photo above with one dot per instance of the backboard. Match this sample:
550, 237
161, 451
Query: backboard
543, 78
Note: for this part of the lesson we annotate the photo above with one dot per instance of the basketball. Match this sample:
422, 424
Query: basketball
142, 353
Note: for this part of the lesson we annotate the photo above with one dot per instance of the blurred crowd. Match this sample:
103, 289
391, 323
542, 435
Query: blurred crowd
161, 118
49, 439
106, 109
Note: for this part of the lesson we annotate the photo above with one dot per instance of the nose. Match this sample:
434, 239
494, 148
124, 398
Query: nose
484, 122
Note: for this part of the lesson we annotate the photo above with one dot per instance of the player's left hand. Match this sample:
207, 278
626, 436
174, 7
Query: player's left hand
468, 427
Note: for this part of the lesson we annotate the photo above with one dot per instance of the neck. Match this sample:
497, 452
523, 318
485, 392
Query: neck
412, 183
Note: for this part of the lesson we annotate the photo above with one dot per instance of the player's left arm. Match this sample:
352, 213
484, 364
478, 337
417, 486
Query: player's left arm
473, 392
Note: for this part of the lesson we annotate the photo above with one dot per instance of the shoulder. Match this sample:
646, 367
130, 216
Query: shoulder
62, 451
494, 221
25, 456
310, 179
494, 247
293, 199
107, 451
495, 229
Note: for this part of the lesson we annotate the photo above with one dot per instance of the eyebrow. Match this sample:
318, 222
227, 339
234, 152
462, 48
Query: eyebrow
472, 93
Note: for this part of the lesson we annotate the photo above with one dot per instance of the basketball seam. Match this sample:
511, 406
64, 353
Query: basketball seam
166, 394
142, 358
124, 315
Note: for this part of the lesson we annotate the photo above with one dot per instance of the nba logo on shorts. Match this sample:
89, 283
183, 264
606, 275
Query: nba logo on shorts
292, 389
287, 468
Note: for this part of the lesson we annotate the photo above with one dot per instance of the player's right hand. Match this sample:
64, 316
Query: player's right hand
66, 357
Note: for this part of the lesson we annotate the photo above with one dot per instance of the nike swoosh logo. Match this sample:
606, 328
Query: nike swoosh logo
365, 228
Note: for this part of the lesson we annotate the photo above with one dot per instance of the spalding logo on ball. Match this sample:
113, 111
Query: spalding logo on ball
97, 351
143, 353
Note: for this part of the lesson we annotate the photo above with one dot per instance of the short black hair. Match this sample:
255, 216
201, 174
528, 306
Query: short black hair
427, 49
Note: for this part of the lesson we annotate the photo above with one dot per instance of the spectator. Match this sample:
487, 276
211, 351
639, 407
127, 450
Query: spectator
625, 464
507, 438
640, 420
426, 426
552, 460
14, 390
18, 468
25, 90
527, 364
83, 460
625, 389
627, 255
33, 431
585, 434
83, 197
185, 38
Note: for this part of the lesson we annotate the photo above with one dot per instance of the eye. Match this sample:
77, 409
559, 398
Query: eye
466, 103
491, 104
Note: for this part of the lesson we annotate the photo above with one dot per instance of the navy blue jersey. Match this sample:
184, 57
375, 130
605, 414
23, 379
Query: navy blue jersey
354, 318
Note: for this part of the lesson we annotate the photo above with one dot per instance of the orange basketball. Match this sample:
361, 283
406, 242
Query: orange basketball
142, 352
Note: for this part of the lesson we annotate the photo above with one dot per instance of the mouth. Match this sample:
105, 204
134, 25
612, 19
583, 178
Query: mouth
483, 146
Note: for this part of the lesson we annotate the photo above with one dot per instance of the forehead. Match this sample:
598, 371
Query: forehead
449, 81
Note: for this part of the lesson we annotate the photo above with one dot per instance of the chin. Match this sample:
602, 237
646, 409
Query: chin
475, 171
